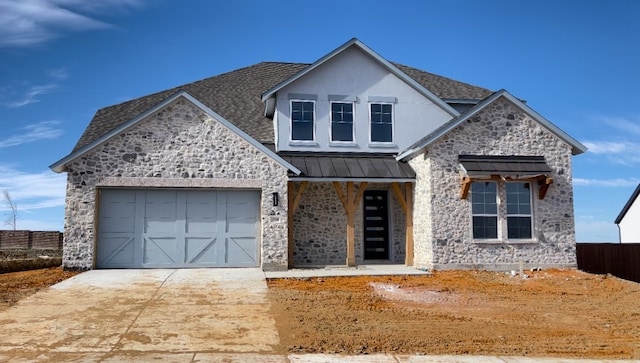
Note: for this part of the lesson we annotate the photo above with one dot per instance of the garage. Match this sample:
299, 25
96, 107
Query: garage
177, 228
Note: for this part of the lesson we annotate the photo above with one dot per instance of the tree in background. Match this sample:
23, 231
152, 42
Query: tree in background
12, 214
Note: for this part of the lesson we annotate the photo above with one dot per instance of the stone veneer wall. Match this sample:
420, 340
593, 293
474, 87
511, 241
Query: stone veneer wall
320, 227
178, 146
442, 222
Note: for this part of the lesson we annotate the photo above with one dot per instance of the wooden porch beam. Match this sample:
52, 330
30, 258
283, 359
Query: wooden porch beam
408, 250
396, 190
343, 199
544, 187
350, 203
466, 185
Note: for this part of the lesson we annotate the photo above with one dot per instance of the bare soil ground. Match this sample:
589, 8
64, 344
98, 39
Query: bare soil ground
17, 285
554, 313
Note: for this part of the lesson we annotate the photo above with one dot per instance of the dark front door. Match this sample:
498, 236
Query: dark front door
376, 225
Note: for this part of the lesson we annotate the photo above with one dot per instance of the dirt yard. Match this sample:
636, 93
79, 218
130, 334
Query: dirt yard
17, 285
556, 313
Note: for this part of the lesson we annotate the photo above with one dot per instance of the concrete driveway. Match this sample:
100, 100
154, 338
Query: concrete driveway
142, 315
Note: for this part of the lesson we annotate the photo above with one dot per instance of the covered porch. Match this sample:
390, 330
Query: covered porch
349, 210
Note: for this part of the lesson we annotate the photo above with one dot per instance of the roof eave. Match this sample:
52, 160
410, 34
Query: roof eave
61, 164
576, 147
628, 205
393, 69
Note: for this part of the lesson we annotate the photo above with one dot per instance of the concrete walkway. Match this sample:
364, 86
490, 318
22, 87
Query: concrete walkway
201, 315
335, 270
128, 314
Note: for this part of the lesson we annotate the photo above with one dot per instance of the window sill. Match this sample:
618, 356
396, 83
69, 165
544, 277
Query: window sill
342, 144
503, 242
302, 143
382, 145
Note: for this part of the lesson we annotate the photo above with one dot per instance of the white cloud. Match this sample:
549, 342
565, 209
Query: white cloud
59, 74
31, 191
618, 182
609, 147
27, 23
31, 94
45, 130
624, 124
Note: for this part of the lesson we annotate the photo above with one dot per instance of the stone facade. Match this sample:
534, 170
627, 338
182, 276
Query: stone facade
320, 227
442, 220
178, 146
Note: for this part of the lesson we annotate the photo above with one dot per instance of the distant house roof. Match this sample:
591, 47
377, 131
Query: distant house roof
475, 165
627, 206
236, 96
348, 166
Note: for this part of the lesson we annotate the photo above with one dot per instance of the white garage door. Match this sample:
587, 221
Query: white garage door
177, 228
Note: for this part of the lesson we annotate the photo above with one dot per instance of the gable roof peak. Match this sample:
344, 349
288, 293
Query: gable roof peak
418, 146
268, 96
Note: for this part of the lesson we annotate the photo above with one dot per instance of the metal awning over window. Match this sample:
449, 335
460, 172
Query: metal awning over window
349, 167
493, 167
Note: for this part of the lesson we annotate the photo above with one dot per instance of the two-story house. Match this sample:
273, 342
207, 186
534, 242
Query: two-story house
349, 160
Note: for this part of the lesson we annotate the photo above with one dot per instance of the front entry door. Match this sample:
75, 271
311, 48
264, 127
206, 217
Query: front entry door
376, 225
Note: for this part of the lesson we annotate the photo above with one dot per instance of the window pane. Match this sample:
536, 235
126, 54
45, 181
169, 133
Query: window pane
302, 120
484, 202
342, 132
518, 198
519, 227
381, 132
302, 131
381, 122
485, 227
341, 121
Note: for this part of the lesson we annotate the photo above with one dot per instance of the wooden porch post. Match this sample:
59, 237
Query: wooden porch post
406, 202
350, 204
293, 199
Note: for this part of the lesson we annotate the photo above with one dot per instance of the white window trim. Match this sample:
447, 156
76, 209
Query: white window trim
353, 126
313, 130
497, 215
507, 215
503, 234
393, 126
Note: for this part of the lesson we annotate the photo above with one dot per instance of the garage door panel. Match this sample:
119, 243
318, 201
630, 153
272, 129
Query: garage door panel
117, 212
202, 251
241, 251
117, 250
179, 228
160, 251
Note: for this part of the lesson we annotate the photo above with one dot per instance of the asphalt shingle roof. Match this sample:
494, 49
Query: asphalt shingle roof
236, 97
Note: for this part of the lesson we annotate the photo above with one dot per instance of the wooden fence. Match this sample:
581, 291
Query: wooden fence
619, 259
27, 240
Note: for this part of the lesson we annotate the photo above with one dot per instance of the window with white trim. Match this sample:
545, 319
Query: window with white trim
381, 122
501, 210
342, 121
519, 218
484, 210
302, 120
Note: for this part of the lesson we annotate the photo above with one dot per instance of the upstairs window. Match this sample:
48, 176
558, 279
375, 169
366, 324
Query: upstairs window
484, 210
302, 116
519, 210
381, 117
341, 121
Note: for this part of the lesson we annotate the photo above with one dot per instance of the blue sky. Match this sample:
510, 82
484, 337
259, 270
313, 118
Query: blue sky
575, 62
